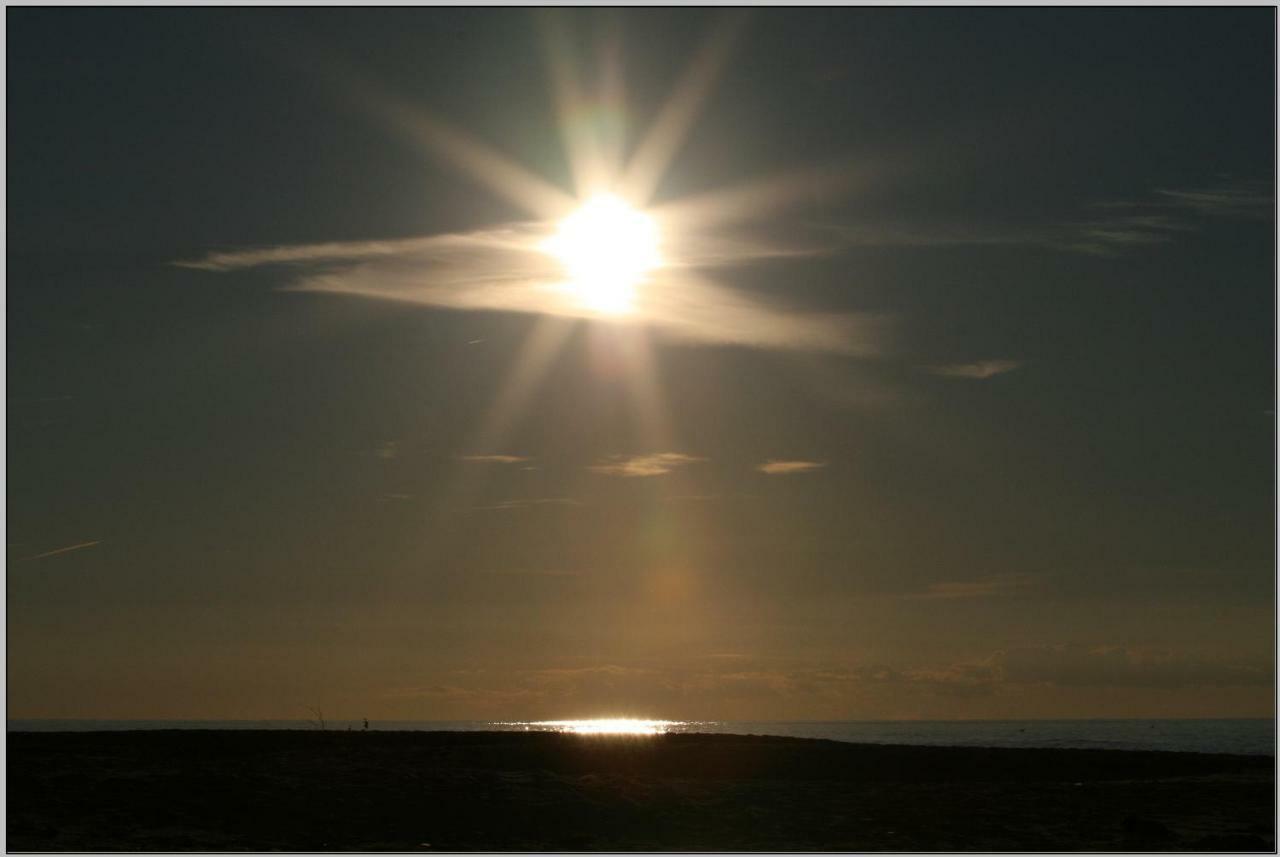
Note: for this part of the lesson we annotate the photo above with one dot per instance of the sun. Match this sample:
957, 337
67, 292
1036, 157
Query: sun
607, 249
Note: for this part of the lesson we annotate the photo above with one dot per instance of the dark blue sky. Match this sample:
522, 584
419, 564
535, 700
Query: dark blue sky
1043, 488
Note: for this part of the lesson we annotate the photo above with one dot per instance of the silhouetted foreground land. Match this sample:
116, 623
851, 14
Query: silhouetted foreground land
407, 791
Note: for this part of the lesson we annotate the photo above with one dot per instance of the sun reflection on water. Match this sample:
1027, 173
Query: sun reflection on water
601, 726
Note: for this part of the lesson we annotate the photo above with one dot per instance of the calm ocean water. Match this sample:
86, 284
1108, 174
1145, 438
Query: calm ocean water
1253, 737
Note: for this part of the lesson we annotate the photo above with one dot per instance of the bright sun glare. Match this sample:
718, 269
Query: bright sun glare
602, 726
607, 247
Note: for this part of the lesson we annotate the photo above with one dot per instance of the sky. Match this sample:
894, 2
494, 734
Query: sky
952, 396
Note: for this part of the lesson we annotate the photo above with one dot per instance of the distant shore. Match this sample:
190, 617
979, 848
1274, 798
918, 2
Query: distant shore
512, 791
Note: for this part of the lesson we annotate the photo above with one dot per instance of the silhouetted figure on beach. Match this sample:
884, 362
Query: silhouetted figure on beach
366, 725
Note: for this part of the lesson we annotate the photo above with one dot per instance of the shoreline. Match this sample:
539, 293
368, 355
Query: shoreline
1240, 736
247, 790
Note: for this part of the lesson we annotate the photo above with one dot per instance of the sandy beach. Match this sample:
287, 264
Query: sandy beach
502, 791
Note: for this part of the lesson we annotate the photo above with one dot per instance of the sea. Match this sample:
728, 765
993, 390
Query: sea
1241, 736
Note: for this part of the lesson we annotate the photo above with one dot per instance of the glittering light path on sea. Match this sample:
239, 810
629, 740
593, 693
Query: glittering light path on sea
604, 726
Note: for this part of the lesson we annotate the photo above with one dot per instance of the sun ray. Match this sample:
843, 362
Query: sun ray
590, 118
572, 105
536, 355
612, 92
687, 305
764, 197
485, 164
630, 348
654, 154
644, 389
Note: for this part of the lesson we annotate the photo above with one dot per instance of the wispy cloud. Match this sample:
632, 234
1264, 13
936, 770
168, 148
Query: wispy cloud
349, 251
62, 550
493, 459
776, 467
1159, 217
387, 450
1109, 227
524, 504
1102, 235
1239, 199
979, 371
504, 269
654, 464
1107, 236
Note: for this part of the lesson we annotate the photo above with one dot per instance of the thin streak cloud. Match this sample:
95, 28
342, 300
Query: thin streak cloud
493, 459
348, 251
979, 371
1241, 199
776, 467
62, 550
656, 464
507, 505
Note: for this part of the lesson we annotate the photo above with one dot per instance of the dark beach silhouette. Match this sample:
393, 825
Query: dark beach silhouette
487, 791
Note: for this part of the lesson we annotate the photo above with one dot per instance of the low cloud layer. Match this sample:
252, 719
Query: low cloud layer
1120, 666
493, 459
655, 464
734, 682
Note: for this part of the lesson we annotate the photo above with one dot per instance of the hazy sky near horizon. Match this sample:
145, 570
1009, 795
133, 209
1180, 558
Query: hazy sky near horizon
961, 405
